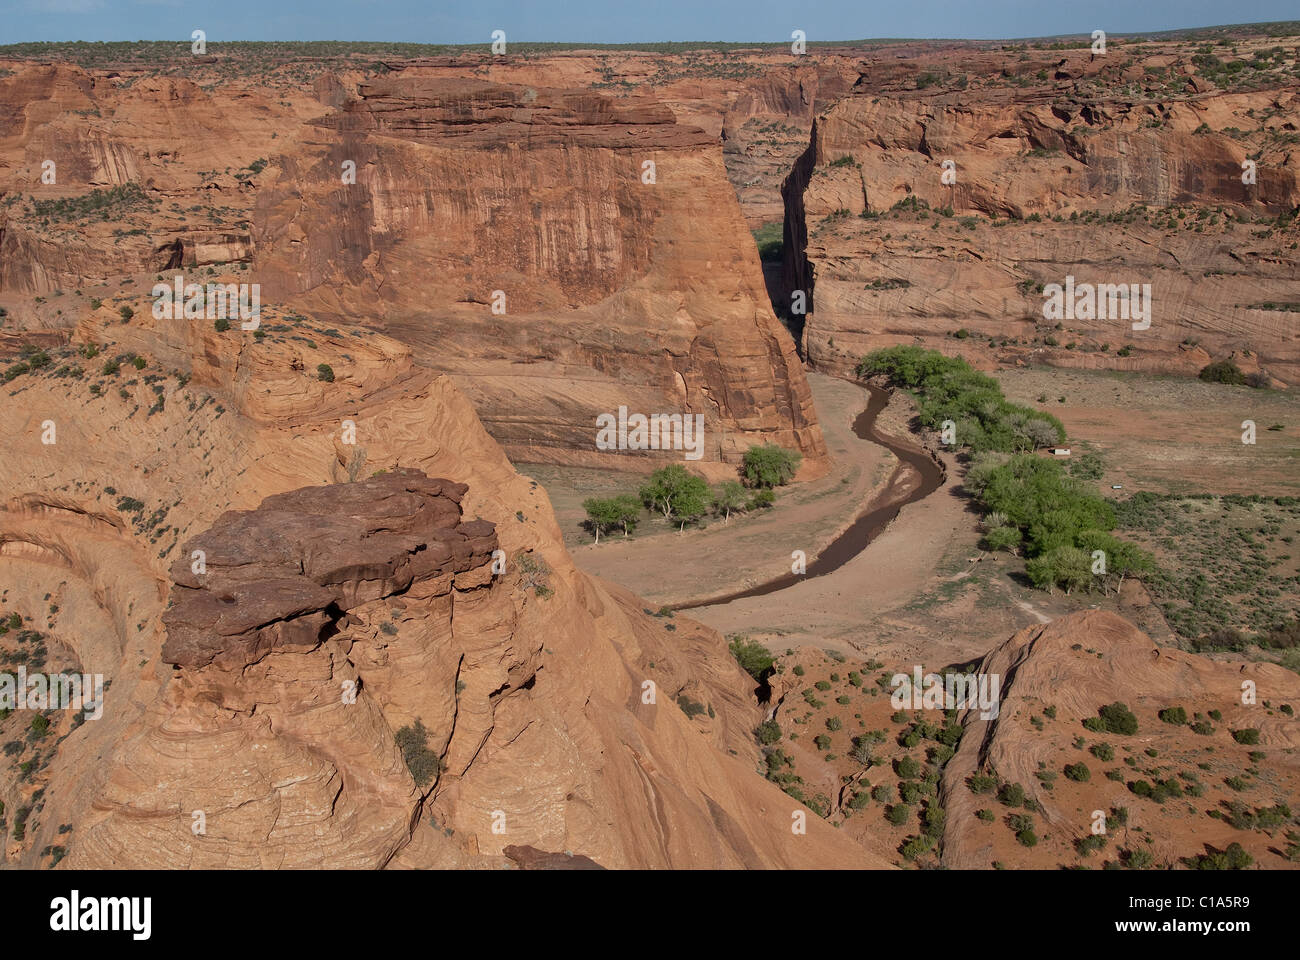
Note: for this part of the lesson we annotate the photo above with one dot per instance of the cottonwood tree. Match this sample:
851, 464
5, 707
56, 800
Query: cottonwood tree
729, 496
676, 493
604, 515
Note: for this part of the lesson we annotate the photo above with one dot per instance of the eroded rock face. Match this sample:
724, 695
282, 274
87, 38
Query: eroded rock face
275, 728
281, 575
518, 239
1071, 668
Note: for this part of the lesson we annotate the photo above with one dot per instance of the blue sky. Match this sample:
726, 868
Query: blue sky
608, 21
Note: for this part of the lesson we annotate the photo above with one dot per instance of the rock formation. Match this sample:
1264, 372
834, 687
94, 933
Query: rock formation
540, 708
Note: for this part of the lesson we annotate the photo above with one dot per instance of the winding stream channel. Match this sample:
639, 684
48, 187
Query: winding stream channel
916, 477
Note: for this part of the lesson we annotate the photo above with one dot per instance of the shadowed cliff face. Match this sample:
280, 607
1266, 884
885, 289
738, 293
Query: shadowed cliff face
560, 254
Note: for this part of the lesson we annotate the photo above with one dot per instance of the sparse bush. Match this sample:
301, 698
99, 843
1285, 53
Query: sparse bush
423, 763
768, 732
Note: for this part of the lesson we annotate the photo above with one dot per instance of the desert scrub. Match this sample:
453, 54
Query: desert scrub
534, 574
423, 763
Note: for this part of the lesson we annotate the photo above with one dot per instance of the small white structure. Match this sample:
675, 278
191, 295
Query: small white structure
1061, 451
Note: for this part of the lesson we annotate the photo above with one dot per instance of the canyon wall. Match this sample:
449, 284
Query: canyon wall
936, 212
619, 288
560, 254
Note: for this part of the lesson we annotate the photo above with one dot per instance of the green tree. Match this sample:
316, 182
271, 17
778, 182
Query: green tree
1123, 559
676, 493
629, 512
769, 466
727, 497
1066, 567
602, 515
1003, 538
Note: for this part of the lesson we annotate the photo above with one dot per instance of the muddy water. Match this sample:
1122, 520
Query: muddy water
916, 477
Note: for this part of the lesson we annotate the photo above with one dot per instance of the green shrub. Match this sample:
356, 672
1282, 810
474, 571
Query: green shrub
1249, 736
1234, 857
769, 466
1102, 751
767, 732
907, 768
1175, 715
423, 763
1113, 718
691, 708
1138, 859
1223, 371
753, 657
1090, 844
1011, 795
